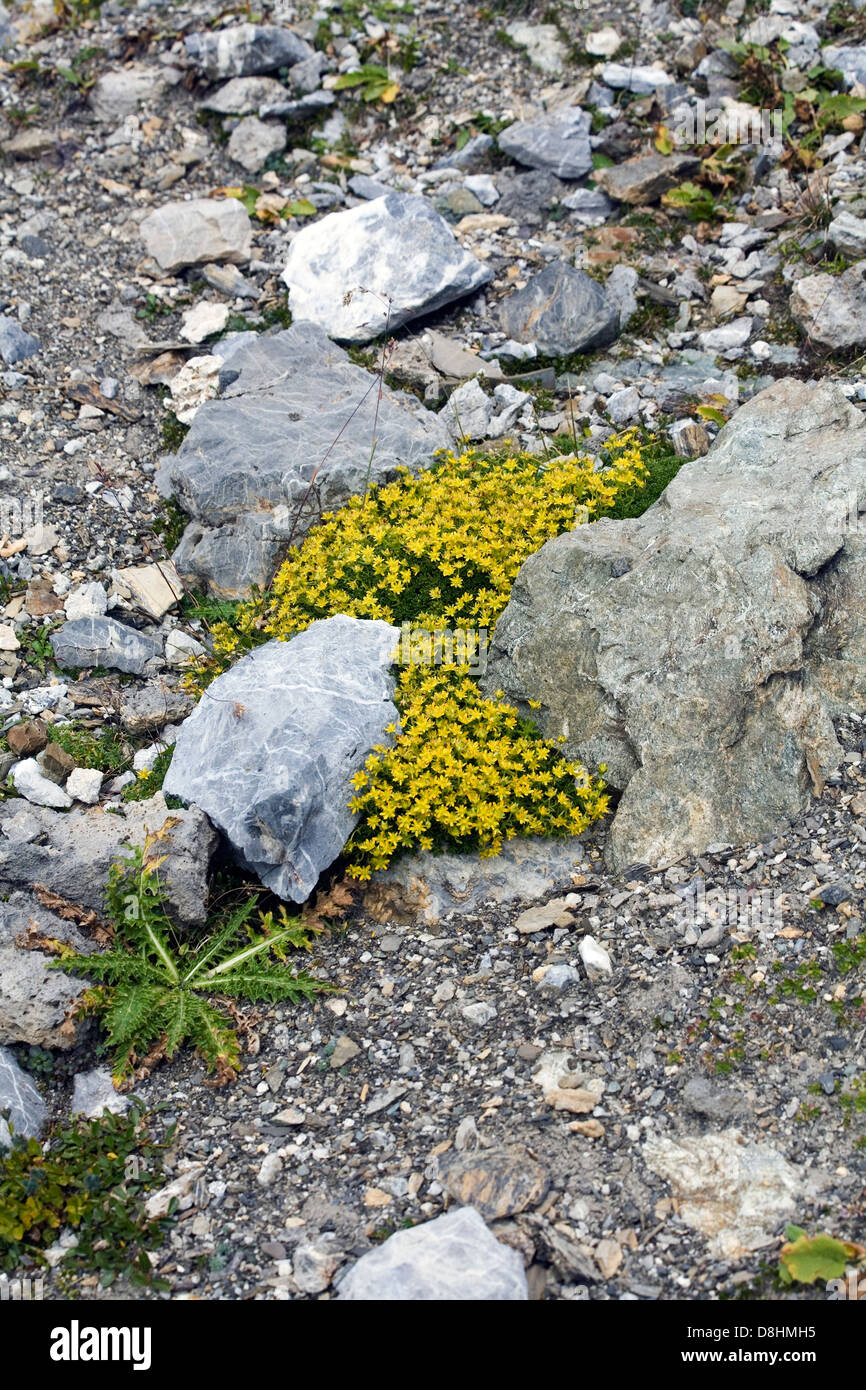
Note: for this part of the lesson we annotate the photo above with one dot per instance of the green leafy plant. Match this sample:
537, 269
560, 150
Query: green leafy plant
697, 203
90, 1177
158, 992
149, 780
103, 748
805, 1259
375, 83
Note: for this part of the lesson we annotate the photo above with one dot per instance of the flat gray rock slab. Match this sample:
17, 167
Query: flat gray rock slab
243, 96
452, 1258
87, 642
246, 49
700, 650
395, 247
559, 143
294, 411
272, 747
561, 309
18, 1095
196, 232
645, 178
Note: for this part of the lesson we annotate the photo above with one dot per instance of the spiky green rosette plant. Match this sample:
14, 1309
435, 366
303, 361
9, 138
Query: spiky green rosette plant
157, 992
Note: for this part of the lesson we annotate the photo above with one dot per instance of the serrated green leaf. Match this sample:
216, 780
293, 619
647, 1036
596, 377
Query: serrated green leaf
809, 1258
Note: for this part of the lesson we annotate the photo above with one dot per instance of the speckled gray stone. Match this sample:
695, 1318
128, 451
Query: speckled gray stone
15, 344
270, 752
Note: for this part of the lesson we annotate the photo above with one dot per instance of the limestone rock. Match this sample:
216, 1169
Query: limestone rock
561, 309
271, 754
198, 231
727, 620
93, 1095
119, 92
245, 495
641, 80
246, 49
454, 1257
253, 141
848, 234
71, 853
429, 886
543, 44
31, 783
88, 642
15, 344
243, 95
832, 308
397, 248
20, 1097
557, 143
35, 999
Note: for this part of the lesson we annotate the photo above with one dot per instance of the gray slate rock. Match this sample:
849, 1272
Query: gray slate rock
15, 344
18, 1095
561, 309
87, 642
198, 231
277, 778
71, 852
559, 144
35, 999
398, 247
850, 59
246, 49
832, 308
245, 467
848, 234
715, 623
452, 1258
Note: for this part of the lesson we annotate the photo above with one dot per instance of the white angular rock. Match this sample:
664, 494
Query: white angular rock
201, 320
641, 80
602, 43
848, 234
31, 784
93, 1094
87, 601
594, 957
252, 142
452, 1258
84, 784
394, 248
543, 44
180, 648
198, 231
119, 92
270, 755
246, 49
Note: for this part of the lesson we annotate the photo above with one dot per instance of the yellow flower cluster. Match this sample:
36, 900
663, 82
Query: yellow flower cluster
443, 550
440, 549
464, 773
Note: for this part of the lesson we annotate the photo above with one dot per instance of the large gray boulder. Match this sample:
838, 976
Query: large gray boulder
342, 271
454, 1258
292, 408
270, 752
18, 1095
71, 852
86, 642
700, 650
563, 310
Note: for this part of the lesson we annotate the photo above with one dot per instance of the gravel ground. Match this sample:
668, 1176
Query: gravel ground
735, 998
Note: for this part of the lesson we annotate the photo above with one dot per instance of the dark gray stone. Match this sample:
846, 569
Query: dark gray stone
15, 344
646, 177
87, 642
35, 999
563, 310
558, 143
246, 49
292, 406
276, 776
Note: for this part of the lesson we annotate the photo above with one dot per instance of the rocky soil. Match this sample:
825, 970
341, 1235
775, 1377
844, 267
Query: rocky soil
637, 1078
